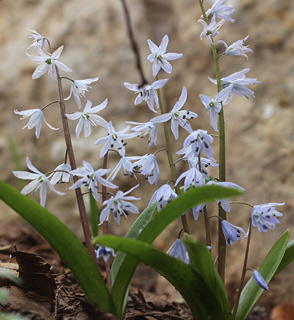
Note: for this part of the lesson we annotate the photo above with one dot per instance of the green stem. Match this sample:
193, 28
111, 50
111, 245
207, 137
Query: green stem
171, 160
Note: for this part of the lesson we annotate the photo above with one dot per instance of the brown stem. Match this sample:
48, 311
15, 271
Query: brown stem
72, 161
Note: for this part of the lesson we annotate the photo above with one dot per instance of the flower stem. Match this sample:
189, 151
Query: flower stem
243, 273
72, 161
171, 161
105, 226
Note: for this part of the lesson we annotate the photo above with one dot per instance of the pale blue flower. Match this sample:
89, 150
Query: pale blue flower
61, 174
237, 48
119, 205
221, 11
148, 167
205, 163
126, 164
264, 216
239, 82
36, 120
78, 89
214, 105
90, 179
104, 252
231, 232
163, 196
193, 177
40, 181
159, 58
178, 249
115, 139
147, 92
259, 280
197, 141
210, 30
88, 118
177, 116
143, 129
48, 62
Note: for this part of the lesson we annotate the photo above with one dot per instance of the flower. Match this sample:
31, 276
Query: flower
237, 48
48, 62
115, 139
104, 252
148, 167
221, 11
35, 121
214, 105
264, 216
90, 179
231, 232
196, 142
178, 117
88, 118
178, 249
78, 89
143, 129
159, 58
39, 40
239, 82
61, 173
210, 30
127, 165
193, 177
194, 162
259, 280
40, 181
119, 205
147, 92
163, 196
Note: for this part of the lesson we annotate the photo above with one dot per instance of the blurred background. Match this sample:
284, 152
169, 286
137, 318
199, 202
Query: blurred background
259, 131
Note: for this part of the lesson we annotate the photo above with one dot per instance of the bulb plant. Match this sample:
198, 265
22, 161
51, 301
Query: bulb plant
188, 265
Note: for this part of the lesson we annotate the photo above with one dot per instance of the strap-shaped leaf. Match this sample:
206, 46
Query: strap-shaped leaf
189, 283
252, 291
157, 224
287, 258
64, 242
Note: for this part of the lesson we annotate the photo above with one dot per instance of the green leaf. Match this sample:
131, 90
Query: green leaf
287, 258
64, 242
157, 224
188, 282
202, 262
252, 291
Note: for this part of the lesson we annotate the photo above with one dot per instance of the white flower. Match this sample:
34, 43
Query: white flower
126, 164
39, 40
90, 179
210, 30
36, 119
163, 196
214, 105
239, 82
159, 58
40, 181
143, 129
119, 205
104, 252
148, 167
147, 92
197, 141
115, 139
178, 249
61, 173
78, 89
178, 117
264, 216
237, 48
221, 11
88, 118
48, 62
